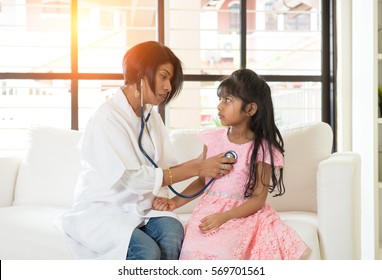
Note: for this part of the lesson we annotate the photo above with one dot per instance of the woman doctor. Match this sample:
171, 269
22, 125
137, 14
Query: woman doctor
111, 217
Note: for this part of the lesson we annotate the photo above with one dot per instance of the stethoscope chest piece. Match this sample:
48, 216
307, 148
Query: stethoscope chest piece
231, 154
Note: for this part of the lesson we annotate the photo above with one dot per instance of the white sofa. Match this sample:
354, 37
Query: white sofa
321, 201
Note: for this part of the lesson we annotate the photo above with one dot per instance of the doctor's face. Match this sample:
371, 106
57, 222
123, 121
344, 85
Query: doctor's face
163, 78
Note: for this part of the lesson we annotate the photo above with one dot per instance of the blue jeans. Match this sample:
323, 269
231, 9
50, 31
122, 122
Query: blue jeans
160, 239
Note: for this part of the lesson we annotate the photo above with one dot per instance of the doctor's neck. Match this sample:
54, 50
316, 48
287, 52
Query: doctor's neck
133, 97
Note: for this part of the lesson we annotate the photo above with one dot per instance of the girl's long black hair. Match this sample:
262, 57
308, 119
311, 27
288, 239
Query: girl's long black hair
246, 85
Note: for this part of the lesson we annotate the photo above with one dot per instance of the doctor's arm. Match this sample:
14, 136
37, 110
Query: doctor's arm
140, 181
213, 167
166, 204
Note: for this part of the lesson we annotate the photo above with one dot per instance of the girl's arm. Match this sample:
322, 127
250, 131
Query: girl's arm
251, 206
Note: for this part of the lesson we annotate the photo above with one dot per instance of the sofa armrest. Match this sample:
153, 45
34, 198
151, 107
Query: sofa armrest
338, 206
9, 167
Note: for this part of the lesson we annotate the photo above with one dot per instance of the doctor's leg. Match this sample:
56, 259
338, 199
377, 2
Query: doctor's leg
168, 233
142, 247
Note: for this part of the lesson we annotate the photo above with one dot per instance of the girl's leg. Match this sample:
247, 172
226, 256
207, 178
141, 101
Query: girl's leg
142, 247
168, 233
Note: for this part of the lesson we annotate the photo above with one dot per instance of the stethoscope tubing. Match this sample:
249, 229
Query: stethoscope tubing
143, 121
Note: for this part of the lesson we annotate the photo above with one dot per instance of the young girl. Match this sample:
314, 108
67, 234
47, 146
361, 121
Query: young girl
232, 219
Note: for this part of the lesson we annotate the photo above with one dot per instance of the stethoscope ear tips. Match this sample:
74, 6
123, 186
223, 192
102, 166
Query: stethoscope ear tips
230, 154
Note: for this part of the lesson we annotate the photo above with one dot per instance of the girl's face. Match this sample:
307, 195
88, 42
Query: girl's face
163, 78
229, 110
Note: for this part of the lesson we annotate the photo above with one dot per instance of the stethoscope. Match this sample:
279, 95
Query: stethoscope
229, 154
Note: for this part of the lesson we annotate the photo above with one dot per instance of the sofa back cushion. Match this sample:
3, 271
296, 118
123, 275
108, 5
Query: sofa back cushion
186, 146
305, 147
49, 170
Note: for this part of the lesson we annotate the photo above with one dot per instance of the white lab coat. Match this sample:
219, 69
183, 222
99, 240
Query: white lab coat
117, 184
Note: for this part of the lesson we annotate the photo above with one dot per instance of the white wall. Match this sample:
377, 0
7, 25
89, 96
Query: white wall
356, 105
364, 115
344, 87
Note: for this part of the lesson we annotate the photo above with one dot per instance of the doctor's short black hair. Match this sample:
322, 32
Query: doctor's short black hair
144, 59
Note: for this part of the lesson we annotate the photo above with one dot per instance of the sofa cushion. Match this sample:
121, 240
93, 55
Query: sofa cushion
28, 232
305, 148
306, 226
49, 170
9, 166
186, 146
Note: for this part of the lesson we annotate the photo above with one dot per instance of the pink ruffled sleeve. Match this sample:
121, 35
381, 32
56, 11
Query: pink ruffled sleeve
278, 159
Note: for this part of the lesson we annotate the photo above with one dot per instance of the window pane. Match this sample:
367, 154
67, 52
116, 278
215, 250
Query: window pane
26, 103
91, 94
195, 107
35, 36
106, 29
205, 35
295, 104
284, 37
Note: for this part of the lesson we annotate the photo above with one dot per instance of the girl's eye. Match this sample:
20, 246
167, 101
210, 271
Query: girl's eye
225, 99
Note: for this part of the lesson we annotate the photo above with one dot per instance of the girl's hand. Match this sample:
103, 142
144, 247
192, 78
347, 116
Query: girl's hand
163, 204
213, 222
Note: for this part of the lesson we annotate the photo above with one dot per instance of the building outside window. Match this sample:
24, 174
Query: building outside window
61, 59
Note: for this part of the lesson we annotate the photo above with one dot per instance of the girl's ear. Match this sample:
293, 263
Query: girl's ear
251, 109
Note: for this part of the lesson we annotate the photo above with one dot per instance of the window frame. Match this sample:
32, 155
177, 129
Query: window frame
327, 77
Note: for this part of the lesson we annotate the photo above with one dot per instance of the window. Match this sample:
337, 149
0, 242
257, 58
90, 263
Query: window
56, 8
281, 43
61, 59
234, 15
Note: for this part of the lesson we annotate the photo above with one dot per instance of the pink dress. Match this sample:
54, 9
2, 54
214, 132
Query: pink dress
261, 236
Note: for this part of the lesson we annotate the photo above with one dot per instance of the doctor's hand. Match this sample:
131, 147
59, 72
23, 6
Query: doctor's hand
163, 204
216, 167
